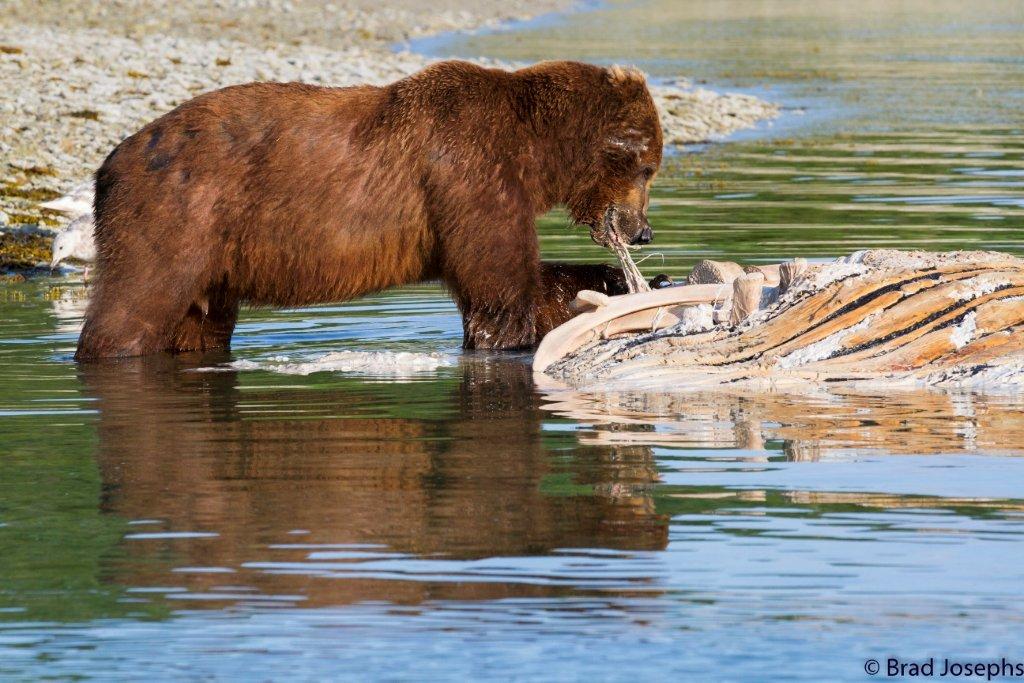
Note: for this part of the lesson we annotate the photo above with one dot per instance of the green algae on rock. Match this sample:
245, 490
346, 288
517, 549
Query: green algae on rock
24, 250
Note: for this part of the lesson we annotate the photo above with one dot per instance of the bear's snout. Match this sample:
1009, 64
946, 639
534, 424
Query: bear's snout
644, 236
632, 226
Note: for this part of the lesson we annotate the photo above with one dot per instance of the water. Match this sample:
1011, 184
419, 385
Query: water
162, 520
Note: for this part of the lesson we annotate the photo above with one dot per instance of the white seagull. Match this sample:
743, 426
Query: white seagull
75, 242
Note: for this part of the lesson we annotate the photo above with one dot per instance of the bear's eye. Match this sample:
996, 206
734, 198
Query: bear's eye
647, 172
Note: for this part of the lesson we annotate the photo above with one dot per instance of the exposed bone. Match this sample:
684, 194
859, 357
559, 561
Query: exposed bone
588, 299
789, 272
714, 272
594, 325
770, 272
746, 296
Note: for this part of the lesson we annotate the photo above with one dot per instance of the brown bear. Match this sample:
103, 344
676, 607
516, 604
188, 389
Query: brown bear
284, 194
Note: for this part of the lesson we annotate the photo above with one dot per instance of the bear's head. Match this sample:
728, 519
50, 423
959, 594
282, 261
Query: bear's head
612, 192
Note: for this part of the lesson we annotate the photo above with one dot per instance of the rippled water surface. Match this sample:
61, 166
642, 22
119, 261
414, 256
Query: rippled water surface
444, 516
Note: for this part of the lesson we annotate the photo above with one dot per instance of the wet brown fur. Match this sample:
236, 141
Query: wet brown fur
288, 194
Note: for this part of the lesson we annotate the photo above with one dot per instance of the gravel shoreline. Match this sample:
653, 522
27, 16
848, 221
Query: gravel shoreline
81, 76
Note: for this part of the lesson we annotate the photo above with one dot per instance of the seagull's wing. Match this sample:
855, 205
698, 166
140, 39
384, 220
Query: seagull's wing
77, 202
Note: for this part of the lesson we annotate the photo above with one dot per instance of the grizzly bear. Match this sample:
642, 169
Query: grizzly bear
284, 194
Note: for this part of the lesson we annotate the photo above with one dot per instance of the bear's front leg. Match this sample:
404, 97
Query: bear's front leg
494, 277
499, 315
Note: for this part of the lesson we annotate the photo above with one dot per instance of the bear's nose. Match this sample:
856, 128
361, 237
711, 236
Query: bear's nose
644, 236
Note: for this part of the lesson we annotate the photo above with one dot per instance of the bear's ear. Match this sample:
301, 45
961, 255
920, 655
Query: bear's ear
619, 76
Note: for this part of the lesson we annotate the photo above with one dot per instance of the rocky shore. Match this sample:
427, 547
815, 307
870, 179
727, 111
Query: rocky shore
80, 76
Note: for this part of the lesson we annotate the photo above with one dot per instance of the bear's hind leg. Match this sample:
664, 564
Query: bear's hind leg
120, 324
138, 309
208, 323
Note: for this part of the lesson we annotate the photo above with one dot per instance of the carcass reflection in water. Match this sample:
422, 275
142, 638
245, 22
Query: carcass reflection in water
826, 423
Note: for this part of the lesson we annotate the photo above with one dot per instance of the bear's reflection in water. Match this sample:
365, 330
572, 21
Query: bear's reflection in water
261, 465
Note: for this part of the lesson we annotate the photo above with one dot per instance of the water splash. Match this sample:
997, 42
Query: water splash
393, 364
